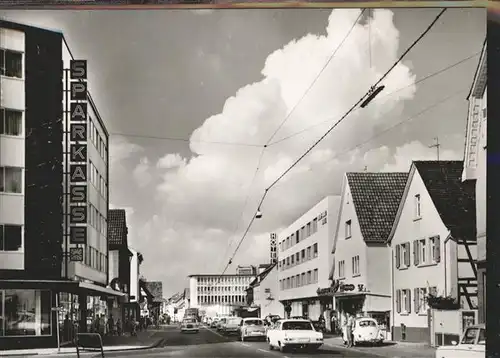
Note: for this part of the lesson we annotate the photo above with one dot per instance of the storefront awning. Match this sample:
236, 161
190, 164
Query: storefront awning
99, 289
252, 309
349, 294
56, 285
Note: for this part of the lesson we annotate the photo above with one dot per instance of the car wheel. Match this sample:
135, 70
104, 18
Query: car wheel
242, 338
282, 348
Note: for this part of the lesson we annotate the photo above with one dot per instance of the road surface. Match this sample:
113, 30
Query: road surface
209, 343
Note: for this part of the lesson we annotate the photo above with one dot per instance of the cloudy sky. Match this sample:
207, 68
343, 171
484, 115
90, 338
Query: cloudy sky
191, 97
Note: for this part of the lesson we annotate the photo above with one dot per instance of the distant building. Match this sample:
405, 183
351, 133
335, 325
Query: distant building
218, 294
305, 260
155, 304
246, 270
262, 293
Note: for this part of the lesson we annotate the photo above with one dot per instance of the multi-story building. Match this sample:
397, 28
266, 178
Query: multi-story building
475, 169
305, 260
246, 270
362, 268
218, 294
36, 269
433, 248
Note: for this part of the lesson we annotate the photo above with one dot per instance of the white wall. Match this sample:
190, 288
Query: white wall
12, 152
323, 237
271, 305
407, 230
134, 275
113, 264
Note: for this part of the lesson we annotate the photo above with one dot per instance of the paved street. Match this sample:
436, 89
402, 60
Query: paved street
209, 343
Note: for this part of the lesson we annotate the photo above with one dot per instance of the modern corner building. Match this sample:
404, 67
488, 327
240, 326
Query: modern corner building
305, 260
41, 286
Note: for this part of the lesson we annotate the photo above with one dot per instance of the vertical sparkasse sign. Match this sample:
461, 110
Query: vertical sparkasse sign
78, 152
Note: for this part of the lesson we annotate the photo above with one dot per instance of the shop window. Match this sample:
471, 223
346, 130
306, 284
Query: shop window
11, 180
11, 122
11, 63
25, 313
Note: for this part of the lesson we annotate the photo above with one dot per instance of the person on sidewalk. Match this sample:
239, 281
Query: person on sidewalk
119, 327
111, 325
349, 327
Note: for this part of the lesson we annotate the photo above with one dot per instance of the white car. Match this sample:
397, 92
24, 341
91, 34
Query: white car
252, 328
190, 325
472, 345
294, 334
366, 330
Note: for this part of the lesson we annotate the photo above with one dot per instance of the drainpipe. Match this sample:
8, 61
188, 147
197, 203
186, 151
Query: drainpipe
392, 296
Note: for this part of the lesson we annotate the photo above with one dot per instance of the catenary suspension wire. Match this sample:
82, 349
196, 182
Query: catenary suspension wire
316, 78
423, 79
330, 130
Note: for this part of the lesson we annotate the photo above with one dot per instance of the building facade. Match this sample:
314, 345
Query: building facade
218, 294
361, 256
431, 236
475, 169
135, 293
246, 270
265, 293
304, 260
37, 276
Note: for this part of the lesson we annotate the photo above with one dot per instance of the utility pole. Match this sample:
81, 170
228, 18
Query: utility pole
436, 145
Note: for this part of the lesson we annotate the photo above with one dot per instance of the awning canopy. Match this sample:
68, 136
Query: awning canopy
100, 290
56, 285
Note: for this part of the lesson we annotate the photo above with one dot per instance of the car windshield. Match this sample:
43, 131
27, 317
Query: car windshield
297, 326
189, 321
234, 321
367, 323
253, 322
470, 336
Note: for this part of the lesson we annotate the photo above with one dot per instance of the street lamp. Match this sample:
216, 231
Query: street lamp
373, 93
258, 215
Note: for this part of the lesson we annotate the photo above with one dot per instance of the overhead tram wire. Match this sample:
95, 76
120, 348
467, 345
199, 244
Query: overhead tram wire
287, 117
281, 125
423, 79
330, 130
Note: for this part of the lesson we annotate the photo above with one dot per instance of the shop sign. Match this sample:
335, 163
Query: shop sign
78, 152
336, 286
76, 254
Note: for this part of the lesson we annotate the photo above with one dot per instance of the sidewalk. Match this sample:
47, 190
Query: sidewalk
143, 340
389, 349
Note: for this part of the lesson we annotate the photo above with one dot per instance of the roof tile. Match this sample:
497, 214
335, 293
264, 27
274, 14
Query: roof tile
117, 229
376, 198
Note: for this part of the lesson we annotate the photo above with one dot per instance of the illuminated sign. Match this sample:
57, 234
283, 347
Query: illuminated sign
337, 286
78, 152
76, 254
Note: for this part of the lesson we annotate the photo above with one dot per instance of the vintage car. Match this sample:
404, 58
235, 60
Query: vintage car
472, 344
231, 325
213, 323
366, 330
190, 325
293, 334
252, 328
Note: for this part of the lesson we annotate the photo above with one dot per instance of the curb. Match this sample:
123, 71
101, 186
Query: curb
354, 350
151, 346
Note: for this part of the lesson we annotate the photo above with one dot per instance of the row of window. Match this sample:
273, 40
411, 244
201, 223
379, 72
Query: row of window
97, 140
98, 181
426, 251
224, 280
355, 267
11, 63
303, 279
231, 299
11, 180
95, 259
302, 256
307, 230
11, 237
97, 220
11, 122
404, 300
221, 289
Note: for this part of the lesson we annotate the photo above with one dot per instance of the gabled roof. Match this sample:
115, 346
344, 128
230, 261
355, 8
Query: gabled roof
480, 76
454, 201
117, 229
376, 198
260, 277
156, 289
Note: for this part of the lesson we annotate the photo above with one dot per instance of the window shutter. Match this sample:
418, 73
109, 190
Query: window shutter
398, 256
416, 299
408, 300
437, 248
415, 252
407, 254
398, 301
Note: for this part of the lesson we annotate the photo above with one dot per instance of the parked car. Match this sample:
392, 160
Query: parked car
190, 325
252, 328
294, 334
231, 325
366, 330
471, 345
221, 323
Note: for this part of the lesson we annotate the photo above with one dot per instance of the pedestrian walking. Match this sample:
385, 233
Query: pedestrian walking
349, 327
119, 327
